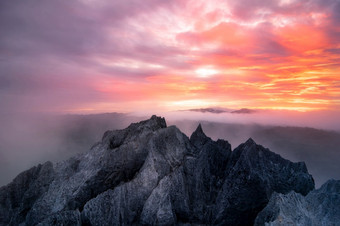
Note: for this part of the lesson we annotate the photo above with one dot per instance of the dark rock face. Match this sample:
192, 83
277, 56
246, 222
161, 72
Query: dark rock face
253, 175
188, 194
151, 174
319, 207
18, 197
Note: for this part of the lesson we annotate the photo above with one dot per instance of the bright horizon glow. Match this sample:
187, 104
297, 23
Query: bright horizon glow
127, 56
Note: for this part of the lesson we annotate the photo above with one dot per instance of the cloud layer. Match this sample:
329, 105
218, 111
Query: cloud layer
127, 55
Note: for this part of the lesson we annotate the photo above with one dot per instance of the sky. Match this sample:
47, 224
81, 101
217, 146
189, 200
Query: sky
87, 56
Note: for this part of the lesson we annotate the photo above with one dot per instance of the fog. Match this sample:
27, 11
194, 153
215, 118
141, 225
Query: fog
327, 120
29, 139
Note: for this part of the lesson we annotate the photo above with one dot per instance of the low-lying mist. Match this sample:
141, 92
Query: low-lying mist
27, 140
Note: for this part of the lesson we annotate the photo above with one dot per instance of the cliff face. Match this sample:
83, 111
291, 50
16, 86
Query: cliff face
152, 174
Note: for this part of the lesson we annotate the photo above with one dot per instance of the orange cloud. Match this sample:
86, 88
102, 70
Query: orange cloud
301, 38
179, 54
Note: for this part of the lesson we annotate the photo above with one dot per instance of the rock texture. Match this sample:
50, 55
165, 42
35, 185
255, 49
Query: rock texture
151, 174
254, 174
18, 197
319, 207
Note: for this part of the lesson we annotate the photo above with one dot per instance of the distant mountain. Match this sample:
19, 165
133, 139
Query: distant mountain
244, 111
222, 110
209, 110
151, 174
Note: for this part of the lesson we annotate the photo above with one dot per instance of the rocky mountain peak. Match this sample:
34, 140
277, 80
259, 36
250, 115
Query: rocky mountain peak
199, 129
116, 138
151, 174
247, 149
157, 122
154, 123
250, 142
331, 186
249, 145
198, 137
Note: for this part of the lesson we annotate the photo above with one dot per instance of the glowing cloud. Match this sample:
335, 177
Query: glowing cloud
130, 55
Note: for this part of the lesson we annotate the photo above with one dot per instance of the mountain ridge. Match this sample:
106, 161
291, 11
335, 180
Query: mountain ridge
152, 174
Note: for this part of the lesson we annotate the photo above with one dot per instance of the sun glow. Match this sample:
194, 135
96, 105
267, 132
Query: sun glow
206, 72
173, 55
187, 104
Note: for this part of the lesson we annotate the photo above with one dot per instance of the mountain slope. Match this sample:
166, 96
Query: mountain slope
148, 174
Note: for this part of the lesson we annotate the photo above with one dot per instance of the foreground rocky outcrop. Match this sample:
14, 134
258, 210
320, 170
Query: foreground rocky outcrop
151, 174
319, 207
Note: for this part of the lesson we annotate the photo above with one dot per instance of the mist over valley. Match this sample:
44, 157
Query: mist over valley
33, 139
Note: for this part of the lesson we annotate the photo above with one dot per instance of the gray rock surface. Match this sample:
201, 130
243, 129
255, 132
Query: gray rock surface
65, 218
124, 203
253, 175
18, 197
319, 207
151, 174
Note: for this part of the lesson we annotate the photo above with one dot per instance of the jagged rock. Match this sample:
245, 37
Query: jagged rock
123, 204
151, 174
253, 175
198, 138
192, 188
18, 197
319, 207
104, 167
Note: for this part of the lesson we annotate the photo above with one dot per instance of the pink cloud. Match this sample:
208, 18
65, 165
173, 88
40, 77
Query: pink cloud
64, 54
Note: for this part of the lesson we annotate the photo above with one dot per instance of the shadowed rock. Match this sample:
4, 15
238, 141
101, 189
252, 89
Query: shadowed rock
253, 175
198, 138
18, 197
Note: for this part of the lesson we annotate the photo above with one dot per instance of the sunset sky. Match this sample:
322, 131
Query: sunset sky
90, 56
